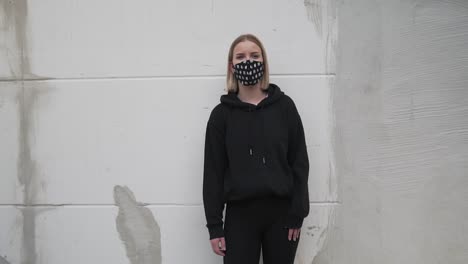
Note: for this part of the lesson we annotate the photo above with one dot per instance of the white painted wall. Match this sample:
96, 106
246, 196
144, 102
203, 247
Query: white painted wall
95, 95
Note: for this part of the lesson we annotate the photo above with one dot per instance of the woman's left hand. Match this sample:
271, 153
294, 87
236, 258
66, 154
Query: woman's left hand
293, 233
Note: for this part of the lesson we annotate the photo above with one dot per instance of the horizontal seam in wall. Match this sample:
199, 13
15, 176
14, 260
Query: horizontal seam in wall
160, 77
143, 204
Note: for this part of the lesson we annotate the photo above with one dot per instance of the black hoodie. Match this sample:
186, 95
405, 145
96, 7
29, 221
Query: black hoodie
254, 151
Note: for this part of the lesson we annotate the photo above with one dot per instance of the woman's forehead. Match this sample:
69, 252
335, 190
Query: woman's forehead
246, 46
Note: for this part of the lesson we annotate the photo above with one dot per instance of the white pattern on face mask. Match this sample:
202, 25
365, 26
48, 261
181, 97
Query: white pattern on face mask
250, 77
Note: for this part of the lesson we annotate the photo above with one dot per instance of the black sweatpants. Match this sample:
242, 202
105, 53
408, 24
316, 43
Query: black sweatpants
254, 225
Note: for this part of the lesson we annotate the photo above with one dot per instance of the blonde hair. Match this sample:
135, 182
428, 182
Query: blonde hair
231, 81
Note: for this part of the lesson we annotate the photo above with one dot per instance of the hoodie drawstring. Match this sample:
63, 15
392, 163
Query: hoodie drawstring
262, 133
249, 136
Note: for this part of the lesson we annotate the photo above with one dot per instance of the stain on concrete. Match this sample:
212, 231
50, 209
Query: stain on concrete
322, 14
137, 228
28, 250
3, 260
314, 14
28, 99
9, 51
15, 21
26, 165
325, 235
331, 37
13, 24
25, 225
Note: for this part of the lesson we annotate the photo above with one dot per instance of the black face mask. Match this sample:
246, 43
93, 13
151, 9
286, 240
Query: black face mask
248, 72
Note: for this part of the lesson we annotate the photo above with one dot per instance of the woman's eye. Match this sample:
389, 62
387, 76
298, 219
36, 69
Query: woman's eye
255, 56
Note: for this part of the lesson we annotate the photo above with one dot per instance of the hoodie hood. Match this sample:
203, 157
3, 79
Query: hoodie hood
231, 99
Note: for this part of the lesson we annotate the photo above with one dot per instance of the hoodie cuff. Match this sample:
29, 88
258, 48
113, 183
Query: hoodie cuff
216, 231
293, 221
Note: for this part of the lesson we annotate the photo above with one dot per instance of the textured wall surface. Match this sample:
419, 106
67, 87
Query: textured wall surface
401, 135
103, 108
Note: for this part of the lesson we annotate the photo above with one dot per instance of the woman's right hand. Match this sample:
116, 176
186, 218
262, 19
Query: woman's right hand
218, 245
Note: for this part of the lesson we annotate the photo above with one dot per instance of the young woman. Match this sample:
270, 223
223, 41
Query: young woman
256, 163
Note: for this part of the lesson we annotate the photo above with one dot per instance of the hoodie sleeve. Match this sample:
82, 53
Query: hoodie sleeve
299, 162
215, 163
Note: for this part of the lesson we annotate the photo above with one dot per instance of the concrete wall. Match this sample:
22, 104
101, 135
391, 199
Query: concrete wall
401, 136
103, 108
